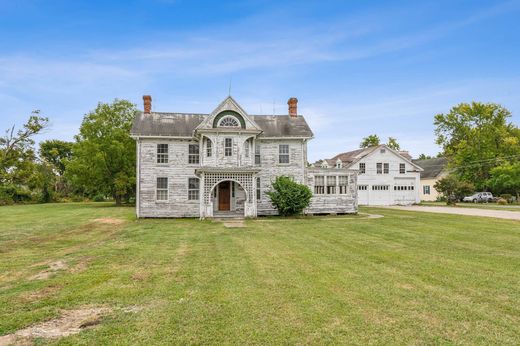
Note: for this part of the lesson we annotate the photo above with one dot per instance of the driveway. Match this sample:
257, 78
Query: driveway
500, 214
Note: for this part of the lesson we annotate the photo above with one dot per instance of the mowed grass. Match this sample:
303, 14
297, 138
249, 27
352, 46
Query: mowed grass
406, 278
492, 206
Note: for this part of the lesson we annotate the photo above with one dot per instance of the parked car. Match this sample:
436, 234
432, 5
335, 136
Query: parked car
479, 197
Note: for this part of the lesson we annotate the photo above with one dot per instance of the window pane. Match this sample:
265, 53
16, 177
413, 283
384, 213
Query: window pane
162, 153
162, 183
193, 188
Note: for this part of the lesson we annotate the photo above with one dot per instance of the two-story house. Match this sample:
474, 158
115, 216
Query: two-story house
385, 176
222, 163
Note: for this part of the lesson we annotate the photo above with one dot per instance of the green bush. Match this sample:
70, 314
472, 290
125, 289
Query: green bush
288, 196
98, 198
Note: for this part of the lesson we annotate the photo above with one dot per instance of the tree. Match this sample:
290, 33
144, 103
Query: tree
370, 141
475, 138
16, 150
425, 157
392, 144
56, 153
103, 157
453, 189
288, 196
506, 179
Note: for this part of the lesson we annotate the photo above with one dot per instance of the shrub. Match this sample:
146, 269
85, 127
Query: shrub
98, 198
502, 201
288, 196
453, 188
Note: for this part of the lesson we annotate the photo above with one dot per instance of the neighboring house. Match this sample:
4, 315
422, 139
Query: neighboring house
433, 170
223, 163
385, 176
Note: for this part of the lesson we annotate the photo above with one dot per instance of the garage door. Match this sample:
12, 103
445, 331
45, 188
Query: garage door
380, 195
404, 192
363, 194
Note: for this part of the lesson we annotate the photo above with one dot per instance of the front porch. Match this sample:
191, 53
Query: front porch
227, 193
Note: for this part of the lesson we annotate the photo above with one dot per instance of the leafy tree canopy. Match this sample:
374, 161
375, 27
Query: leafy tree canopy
103, 157
453, 188
506, 179
17, 152
475, 138
56, 153
288, 196
370, 141
392, 144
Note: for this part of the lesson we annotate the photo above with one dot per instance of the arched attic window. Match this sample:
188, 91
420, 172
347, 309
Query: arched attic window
229, 119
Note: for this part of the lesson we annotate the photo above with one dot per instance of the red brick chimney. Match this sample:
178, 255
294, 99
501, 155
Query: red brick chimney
293, 107
147, 100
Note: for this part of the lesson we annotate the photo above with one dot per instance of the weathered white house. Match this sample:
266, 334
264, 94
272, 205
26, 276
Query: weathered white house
385, 176
222, 163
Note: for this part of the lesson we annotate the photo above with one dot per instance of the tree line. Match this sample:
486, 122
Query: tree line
98, 164
479, 141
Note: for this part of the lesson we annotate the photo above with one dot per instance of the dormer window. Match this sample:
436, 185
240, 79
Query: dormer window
229, 121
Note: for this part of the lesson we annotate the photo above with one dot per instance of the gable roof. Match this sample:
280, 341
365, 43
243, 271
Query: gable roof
350, 157
432, 167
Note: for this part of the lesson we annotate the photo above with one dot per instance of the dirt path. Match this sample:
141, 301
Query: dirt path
500, 214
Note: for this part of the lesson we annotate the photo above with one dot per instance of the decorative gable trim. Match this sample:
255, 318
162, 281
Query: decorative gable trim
229, 104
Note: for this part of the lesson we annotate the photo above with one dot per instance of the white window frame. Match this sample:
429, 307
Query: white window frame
319, 189
228, 150
162, 189
379, 168
209, 147
402, 168
386, 168
232, 119
258, 158
362, 168
283, 154
343, 184
162, 156
258, 189
193, 190
193, 156
426, 190
331, 188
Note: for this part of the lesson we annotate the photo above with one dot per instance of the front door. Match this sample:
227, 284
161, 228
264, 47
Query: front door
224, 196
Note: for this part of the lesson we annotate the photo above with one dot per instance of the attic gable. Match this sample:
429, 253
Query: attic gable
229, 107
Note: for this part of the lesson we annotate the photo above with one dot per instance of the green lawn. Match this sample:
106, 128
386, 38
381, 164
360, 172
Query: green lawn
406, 278
493, 206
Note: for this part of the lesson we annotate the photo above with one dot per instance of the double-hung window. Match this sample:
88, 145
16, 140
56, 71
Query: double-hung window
343, 183
162, 153
228, 147
193, 153
386, 168
257, 154
362, 168
246, 147
283, 153
319, 185
331, 185
209, 149
258, 190
402, 168
162, 189
379, 168
426, 189
193, 189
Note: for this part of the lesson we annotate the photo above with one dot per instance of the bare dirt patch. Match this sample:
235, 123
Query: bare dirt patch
53, 267
109, 221
70, 322
82, 265
140, 276
40, 294
234, 224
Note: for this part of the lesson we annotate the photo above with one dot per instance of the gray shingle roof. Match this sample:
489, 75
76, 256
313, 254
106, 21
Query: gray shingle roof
432, 167
183, 125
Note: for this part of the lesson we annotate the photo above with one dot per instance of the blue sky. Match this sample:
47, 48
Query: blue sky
357, 67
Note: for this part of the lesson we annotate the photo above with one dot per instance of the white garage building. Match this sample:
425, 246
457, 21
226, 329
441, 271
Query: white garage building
386, 176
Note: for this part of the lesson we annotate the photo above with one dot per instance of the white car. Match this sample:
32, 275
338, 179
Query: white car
479, 197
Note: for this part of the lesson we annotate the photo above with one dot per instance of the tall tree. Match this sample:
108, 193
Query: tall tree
16, 150
453, 189
103, 157
370, 141
56, 153
475, 138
